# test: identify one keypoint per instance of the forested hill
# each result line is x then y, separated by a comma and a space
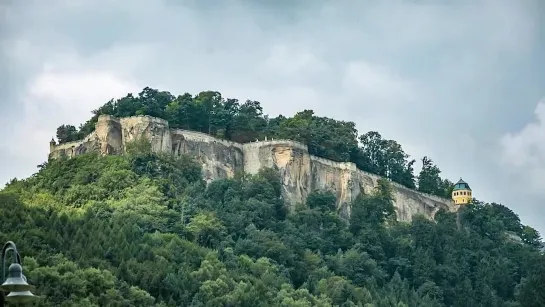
142, 229
243, 122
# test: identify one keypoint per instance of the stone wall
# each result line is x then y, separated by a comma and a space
300, 172
219, 158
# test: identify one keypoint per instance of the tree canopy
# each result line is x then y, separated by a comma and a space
143, 229
227, 118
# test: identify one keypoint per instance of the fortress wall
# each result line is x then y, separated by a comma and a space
204, 138
75, 148
218, 158
300, 172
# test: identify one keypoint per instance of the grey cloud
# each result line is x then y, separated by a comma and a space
445, 80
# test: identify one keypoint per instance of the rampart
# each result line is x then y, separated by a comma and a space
300, 172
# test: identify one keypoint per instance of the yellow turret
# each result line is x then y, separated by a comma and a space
461, 194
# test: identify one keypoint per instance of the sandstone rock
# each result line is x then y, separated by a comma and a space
300, 172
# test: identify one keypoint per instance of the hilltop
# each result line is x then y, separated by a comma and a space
244, 122
300, 172
143, 228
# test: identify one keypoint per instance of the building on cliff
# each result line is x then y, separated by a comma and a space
461, 194
300, 172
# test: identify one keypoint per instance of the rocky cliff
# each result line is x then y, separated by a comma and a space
300, 172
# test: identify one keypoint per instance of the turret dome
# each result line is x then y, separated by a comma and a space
461, 185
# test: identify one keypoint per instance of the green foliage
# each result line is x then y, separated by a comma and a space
68, 133
138, 147
227, 118
374, 209
430, 182
143, 229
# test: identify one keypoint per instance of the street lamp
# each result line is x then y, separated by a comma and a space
16, 283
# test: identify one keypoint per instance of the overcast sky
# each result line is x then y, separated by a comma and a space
460, 82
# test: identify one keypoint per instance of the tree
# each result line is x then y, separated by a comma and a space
322, 200
373, 153
248, 124
531, 237
398, 168
153, 102
372, 209
210, 104
206, 229
429, 180
67, 133
385, 158
143, 229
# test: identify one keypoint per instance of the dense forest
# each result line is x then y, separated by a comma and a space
143, 229
230, 119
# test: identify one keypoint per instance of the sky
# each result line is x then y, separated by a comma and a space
462, 82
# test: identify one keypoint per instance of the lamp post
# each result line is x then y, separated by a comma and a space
16, 283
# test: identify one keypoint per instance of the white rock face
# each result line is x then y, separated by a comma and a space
300, 172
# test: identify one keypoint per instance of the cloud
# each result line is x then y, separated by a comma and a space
445, 80
62, 97
284, 60
378, 83
77, 91
65, 91
524, 153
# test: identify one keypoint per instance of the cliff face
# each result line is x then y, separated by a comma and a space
300, 172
